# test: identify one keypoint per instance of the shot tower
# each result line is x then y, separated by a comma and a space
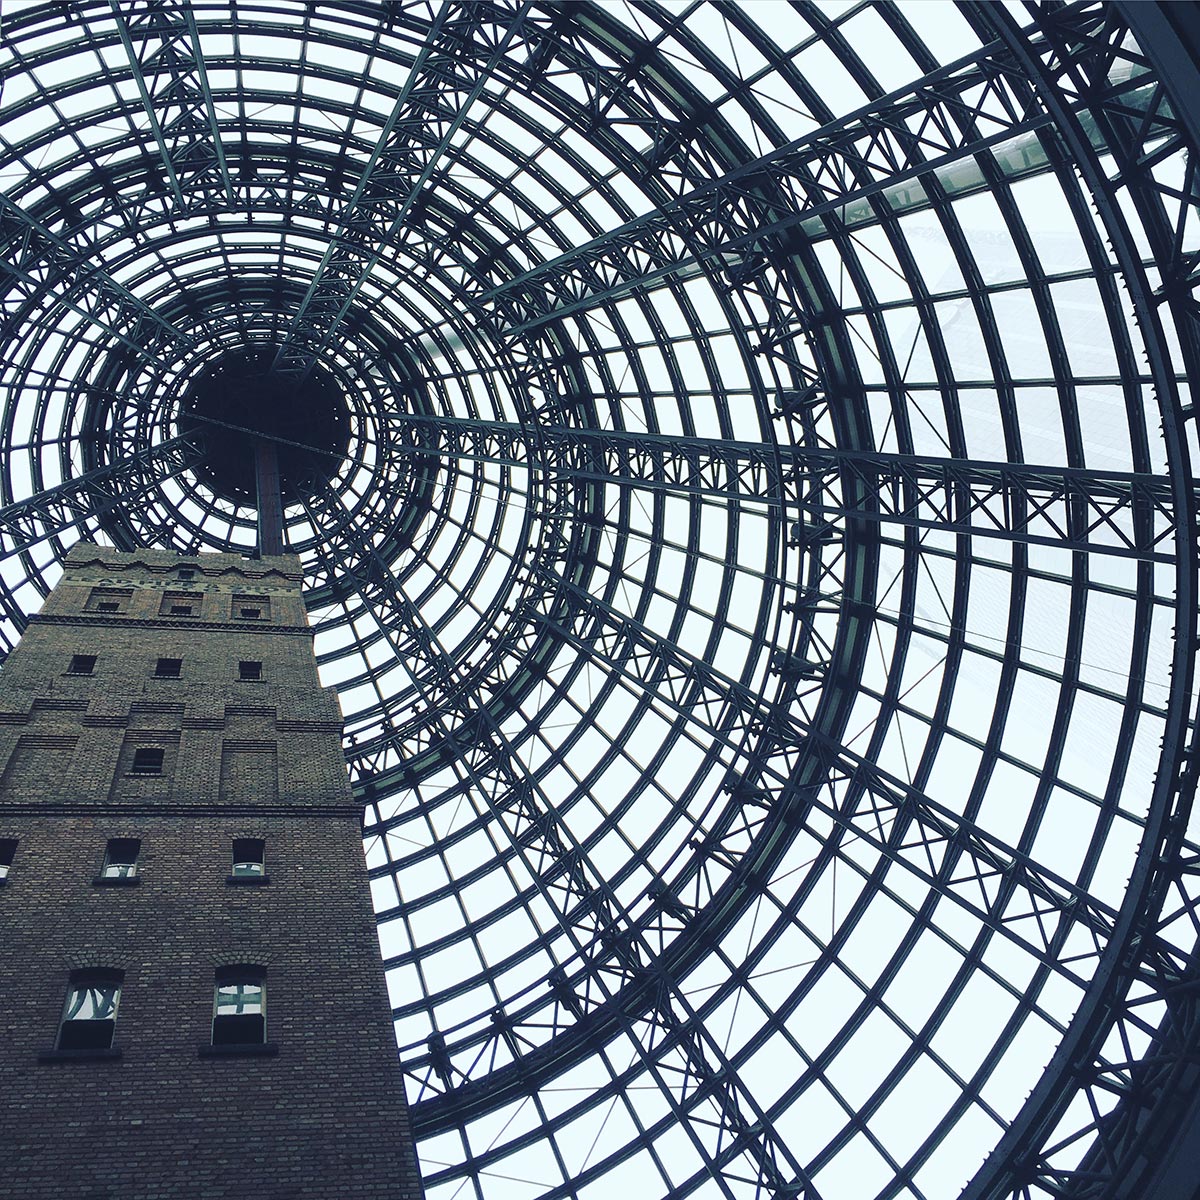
194, 1004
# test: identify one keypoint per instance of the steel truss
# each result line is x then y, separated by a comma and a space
620, 963
163, 46
1147, 994
1090, 511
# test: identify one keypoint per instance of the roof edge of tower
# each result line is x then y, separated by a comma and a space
214, 564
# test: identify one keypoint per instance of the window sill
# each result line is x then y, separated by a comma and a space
50, 1056
116, 881
248, 880
78, 674
143, 774
239, 1050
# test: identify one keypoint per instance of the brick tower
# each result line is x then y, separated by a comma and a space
193, 1004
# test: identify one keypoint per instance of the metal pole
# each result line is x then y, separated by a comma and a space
270, 498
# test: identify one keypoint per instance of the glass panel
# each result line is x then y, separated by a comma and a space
93, 1002
239, 999
238, 1013
120, 858
148, 761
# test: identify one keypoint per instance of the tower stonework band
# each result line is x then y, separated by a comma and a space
194, 1001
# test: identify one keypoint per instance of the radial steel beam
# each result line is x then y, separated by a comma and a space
163, 46
910, 827
116, 485
433, 105
1126, 514
39, 260
964, 109
1003, 889
1081, 63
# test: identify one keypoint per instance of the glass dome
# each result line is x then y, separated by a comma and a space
741, 457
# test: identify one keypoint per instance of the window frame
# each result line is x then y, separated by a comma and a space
131, 849
242, 603
256, 664
250, 846
220, 1044
144, 772
74, 668
159, 673
8, 854
108, 600
83, 1032
175, 601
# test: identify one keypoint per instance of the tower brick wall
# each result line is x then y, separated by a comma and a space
316, 1107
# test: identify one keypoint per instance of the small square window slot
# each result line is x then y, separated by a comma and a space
108, 600
247, 607
248, 670
180, 604
82, 664
147, 760
168, 668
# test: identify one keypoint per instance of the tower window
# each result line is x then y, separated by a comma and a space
89, 1018
186, 573
147, 760
239, 1007
8, 851
180, 604
120, 860
82, 664
108, 600
249, 861
251, 608
249, 670
168, 668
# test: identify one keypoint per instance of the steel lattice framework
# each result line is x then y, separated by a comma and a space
762, 575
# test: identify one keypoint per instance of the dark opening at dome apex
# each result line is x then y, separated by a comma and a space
238, 398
